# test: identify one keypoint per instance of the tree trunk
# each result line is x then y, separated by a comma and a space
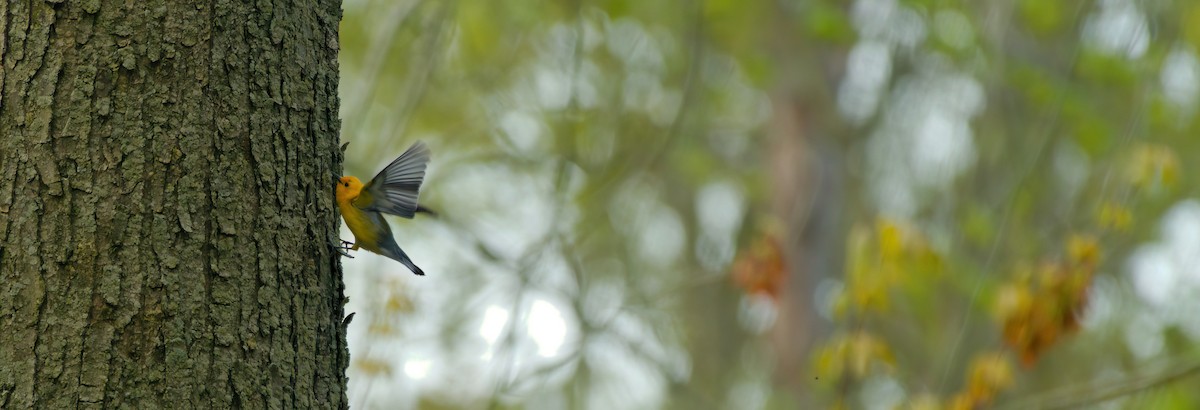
805, 157
166, 203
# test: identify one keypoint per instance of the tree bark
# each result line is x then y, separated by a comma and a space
166, 203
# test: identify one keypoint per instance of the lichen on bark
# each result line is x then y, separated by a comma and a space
166, 205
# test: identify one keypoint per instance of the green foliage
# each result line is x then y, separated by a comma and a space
1044, 18
827, 22
585, 148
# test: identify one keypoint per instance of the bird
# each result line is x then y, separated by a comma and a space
393, 191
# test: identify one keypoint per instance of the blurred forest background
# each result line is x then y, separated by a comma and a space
780, 204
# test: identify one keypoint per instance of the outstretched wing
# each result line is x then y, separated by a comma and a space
394, 190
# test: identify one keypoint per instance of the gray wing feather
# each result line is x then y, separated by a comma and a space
394, 190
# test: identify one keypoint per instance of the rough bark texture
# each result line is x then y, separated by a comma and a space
166, 203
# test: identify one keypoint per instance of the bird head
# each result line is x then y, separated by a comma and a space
348, 188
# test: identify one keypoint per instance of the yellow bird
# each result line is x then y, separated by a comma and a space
393, 191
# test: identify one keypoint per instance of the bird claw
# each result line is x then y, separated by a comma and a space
343, 248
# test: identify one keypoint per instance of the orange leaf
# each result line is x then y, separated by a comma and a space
761, 269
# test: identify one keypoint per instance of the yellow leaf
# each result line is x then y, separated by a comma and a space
891, 239
1115, 216
857, 354
1153, 166
865, 350
924, 401
989, 374
373, 367
830, 362
398, 303
1083, 250
381, 329
841, 305
1012, 300
1050, 275
869, 294
962, 402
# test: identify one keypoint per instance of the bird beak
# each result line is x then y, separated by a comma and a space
336, 180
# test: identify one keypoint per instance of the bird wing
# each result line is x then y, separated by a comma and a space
386, 244
394, 190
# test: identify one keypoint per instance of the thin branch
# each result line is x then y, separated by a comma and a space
1084, 395
382, 42
419, 80
696, 51
1040, 159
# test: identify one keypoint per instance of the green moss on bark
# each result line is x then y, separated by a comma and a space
165, 205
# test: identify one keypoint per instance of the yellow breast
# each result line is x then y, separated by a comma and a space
358, 222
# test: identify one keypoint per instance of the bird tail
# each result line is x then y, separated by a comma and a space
424, 210
393, 251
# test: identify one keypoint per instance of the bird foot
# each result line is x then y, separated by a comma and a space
341, 249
